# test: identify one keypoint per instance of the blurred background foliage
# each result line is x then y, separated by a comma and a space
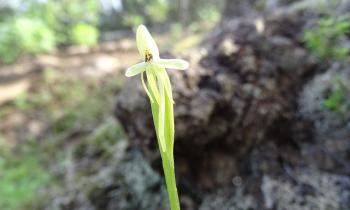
21, 176
327, 38
40, 26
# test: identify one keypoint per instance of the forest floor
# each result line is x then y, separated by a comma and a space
48, 104
51, 104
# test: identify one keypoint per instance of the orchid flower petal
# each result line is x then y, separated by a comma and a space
172, 63
145, 43
136, 69
145, 87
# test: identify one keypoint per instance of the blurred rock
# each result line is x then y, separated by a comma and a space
306, 189
238, 8
240, 91
325, 101
302, 190
101, 174
229, 199
137, 186
249, 112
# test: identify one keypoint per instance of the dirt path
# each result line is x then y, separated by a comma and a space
107, 58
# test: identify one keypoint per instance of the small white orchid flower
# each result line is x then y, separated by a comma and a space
158, 89
152, 64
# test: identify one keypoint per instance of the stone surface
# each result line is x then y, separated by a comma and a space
306, 190
248, 112
301, 190
331, 122
100, 174
240, 91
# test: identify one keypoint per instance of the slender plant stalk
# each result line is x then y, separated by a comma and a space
170, 180
167, 156
158, 89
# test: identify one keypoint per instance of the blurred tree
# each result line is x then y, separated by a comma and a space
184, 13
84, 34
148, 11
240, 7
62, 16
33, 26
45, 24
5, 12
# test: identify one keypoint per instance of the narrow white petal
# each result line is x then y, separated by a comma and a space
145, 42
172, 63
135, 69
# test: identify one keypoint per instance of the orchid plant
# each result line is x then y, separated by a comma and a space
159, 91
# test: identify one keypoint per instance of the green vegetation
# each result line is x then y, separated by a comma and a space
37, 37
181, 37
136, 12
86, 104
325, 39
34, 26
22, 176
66, 107
84, 35
336, 99
24, 35
44, 25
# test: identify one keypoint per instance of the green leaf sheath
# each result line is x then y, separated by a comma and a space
167, 84
161, 115
163, 118
152, 83
169, 118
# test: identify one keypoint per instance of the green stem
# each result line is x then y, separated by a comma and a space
170, 180
163, 119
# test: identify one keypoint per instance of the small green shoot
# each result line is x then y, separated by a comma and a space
158, 89
335, 101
